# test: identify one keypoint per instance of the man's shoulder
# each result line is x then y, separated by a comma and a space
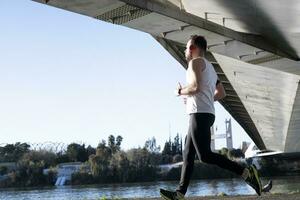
197, 62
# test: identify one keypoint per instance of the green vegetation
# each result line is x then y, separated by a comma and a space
107, 163
172, 151
110, 164
13, 152
30, 165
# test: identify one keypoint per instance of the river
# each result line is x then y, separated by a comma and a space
149, 189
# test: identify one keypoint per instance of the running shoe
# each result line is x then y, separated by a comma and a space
170, 195
253, 179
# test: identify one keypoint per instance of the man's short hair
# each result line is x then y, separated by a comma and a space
199, 41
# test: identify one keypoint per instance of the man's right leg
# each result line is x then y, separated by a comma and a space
189, 153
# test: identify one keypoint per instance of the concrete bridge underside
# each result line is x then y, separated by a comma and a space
254, 46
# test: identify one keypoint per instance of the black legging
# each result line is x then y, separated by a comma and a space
198, 141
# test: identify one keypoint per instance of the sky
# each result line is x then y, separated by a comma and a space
66, 77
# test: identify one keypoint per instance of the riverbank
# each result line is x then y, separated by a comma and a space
236, 189
244, 197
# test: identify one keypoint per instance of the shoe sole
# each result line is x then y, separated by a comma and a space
165, 197
257, 178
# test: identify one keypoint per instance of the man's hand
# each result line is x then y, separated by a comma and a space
178, 89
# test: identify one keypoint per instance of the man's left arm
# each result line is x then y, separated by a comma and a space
220, 91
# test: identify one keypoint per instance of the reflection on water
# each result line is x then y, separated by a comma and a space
150, 189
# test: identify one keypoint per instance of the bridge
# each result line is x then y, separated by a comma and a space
227, 136
253, 45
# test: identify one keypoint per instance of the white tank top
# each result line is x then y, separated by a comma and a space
203, 101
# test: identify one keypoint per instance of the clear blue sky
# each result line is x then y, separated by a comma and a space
67, 78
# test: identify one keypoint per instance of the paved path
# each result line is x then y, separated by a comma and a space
264, 197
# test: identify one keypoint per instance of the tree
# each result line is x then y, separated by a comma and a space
99, 166
102, 144
118, 142
90, 150
31, 166
62, 158
77, 152
176, 145
111, 143
124, 166
142, 166
100, 162
103, 150
13, 152
46, 157
173, 148
31, 172
151, 146
167, 148
114, 143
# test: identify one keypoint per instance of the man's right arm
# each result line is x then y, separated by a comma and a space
220, 91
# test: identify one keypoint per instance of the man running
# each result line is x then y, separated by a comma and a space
203, 88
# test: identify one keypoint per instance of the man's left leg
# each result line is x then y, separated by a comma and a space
201, 137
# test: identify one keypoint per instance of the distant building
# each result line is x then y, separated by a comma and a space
65, 171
